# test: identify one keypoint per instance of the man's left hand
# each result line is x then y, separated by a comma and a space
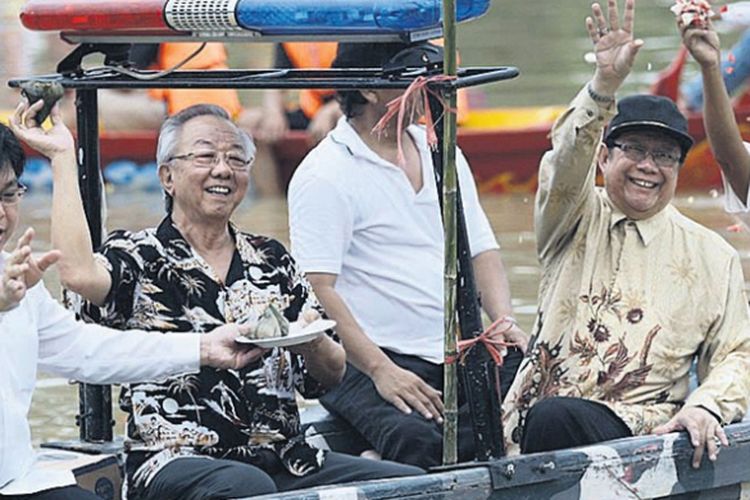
704, 430
307, 348
512, 334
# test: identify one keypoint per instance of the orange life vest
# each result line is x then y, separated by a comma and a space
213, 56
306, 55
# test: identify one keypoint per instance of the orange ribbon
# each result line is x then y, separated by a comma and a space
494, 346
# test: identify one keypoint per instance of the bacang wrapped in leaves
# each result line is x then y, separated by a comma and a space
271, 324
49, 92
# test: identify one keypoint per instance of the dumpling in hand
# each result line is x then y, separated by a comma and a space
272, 324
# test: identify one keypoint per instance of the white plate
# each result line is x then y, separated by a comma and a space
298, 334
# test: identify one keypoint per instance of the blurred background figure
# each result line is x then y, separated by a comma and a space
735, 69
315, 110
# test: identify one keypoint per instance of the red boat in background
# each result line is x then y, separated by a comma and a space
503, 145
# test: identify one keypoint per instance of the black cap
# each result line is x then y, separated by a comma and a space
393, 56
643, 111
366, 55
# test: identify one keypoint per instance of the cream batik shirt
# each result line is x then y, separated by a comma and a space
625, 306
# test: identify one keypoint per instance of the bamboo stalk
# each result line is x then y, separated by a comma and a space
450, 389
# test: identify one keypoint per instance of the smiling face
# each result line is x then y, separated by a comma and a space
8, 214
206, 194
640, 189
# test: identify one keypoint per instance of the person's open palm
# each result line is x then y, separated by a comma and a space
35, 267
614, 45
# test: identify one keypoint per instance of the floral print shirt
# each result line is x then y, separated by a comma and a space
160, 283
626, 306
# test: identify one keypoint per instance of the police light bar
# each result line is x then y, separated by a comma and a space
191, 20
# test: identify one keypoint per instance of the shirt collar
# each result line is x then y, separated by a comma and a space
345, 135
168, 231
171, 238
647, 229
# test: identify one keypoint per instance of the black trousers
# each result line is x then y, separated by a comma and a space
194, 478
66, 493
409, 439
560, 422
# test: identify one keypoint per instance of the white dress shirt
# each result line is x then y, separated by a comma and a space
41, 334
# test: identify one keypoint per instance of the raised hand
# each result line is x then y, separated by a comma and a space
406, 391
702, 43
57, 140
614, 46
704, 430
12, 283
22, 271
37, 266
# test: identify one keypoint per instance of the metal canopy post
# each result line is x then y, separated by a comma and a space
95, 401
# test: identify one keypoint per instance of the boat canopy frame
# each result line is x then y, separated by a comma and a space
477, 369
633, 468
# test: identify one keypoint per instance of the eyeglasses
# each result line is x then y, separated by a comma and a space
209, 159
662, 159
11, 197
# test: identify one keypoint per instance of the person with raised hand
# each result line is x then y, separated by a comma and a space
366, 227
631, 291
37, 333
723, 134
219, 433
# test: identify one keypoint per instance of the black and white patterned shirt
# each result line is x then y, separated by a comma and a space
160, 283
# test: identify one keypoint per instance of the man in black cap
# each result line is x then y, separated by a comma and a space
631, 290
366, 229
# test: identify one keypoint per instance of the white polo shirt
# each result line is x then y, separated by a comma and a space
356, 215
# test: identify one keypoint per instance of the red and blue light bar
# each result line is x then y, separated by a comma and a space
91, 20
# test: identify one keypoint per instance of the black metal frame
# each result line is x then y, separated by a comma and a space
95, 417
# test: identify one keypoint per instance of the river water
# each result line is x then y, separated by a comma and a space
544, 38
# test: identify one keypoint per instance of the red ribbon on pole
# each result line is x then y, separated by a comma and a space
494, 346
409, 102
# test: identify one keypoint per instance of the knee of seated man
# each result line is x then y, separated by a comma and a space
243, 480
545, 413
414, 440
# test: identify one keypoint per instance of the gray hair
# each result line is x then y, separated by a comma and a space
169, 135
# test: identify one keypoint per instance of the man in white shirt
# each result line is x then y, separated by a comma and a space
38, 333
366, 229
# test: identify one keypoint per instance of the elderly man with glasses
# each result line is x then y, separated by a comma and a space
632, 291
37, 333
222, 433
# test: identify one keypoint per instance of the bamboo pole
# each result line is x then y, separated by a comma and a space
450, 387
